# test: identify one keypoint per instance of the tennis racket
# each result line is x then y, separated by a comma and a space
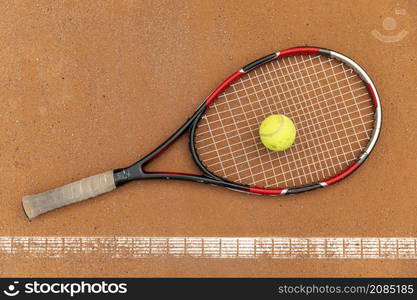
330, 98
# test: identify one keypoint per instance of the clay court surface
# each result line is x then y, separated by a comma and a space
92, 86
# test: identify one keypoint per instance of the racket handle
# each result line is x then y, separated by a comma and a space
86, 188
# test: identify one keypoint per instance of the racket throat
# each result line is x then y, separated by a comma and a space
122, 176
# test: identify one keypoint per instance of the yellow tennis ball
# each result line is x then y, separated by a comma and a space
277, 132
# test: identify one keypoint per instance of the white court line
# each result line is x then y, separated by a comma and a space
211, 247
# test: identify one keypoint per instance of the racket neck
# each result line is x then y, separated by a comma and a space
122, 176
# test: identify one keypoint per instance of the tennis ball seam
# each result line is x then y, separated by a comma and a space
281, 125
283, 135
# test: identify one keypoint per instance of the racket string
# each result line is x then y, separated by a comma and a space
294, 105
272, 96
271, 110
303, 154
301, 135
310, 118
298, 159
299, 116
230, 148
304, 142
357, 107
324, 97
320, 154
313, 163
333, 121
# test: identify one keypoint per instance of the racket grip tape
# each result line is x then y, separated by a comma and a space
86, 188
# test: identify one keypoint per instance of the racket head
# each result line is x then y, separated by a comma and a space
332, 101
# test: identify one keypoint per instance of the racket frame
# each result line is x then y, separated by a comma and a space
137, 170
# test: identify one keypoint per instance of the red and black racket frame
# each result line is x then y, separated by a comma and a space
137, 170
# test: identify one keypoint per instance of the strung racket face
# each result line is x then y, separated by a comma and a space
331, 100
